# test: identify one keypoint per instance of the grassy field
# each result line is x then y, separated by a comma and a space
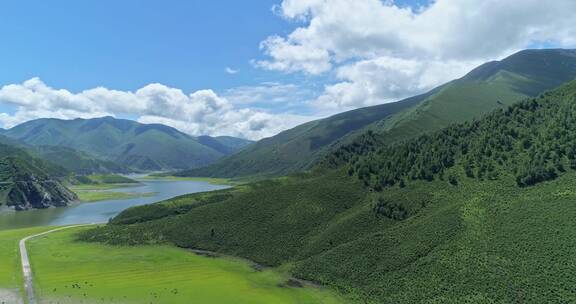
95, 196
109, 179
91, 188
67, 271
98, 187
10, 271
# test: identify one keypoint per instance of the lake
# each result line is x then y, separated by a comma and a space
101, 211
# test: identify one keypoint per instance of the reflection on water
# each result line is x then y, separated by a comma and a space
99, 212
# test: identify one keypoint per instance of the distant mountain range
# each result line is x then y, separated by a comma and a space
117, 145
492, 85
38, 157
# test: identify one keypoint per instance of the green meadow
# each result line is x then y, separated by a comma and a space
92, 188
98, 187
97, 195
10, 271
68, 271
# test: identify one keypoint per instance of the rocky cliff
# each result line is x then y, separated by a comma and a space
27, 182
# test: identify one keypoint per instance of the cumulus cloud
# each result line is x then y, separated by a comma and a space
272, 96
271, 92
231, 71
381, 52
199, 113
386, 79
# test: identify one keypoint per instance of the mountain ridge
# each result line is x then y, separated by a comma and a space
149, 147
492, 85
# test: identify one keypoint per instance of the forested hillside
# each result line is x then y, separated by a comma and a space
449, 217
534, 140
490, 86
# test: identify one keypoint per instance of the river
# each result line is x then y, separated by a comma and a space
101, 211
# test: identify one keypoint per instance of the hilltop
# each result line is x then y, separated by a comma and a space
493, 85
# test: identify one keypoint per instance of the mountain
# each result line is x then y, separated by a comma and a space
72, 160
28, 182
478, 212
492, 85
75, 161
224, 144
124, 142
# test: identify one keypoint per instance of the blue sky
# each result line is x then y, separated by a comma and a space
304, 60
130, 43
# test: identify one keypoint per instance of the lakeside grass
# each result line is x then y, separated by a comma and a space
97, 192
95, 187
210, 180
96, 196
67, 271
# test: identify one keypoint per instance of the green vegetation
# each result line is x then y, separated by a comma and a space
10, 268
105, 179
95, 196
478, 212
224, 144
66, 271
76, 161
129, 144
298, 148
92, 188
491, 86
98, 187
533, 140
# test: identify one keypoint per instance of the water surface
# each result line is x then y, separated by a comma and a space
100, 212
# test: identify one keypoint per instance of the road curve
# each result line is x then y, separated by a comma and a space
26, 269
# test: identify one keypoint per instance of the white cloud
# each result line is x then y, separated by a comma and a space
231, 71
293, 57
381, 52
200, 113
269, 94
386, 79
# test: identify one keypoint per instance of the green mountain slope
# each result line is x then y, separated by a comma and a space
478, 212
76, 161
72, 160
28, 182
224, 144
298, 148
493, 85
125, 142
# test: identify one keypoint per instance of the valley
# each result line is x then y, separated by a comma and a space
145, 191
444, 216
453, 222
288, 152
